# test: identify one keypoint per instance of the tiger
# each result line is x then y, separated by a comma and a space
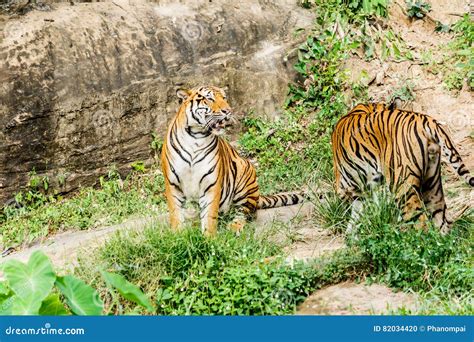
200, 165
379, 144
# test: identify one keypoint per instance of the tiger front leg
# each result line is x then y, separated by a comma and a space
175, 200
209, 206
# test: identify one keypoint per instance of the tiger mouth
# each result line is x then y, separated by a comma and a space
219, 126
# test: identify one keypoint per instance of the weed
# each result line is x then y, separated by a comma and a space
156, 144
369, 7
442, 28
453, 80
114, 200
186, 273
138, 166
405, 93
417, 9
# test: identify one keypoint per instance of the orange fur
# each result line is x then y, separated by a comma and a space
200, 165
374, 143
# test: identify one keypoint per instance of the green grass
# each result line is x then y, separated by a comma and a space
439, 268
456, 62
111, 202
186, 273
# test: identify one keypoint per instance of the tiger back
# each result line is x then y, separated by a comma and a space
199, 165
376, 144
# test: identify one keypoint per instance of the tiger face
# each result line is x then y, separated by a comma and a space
206, 109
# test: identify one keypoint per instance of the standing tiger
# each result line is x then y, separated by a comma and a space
375, 143
200, 165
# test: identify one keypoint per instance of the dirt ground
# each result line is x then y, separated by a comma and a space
349, 298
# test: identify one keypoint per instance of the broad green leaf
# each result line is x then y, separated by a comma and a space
52, 306
128, 290
163, 294
6, 304
32, 281
80, 297
20, 306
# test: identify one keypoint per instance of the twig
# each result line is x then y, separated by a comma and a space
456, 14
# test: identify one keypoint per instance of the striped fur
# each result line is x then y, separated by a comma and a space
374, 143
200, 165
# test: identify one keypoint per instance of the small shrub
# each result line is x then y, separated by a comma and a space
369, 7
405, 93
409, 258
417, 9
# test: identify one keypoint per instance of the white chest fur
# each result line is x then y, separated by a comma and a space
194, 167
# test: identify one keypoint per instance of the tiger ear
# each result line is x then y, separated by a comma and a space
183, 94
223, 90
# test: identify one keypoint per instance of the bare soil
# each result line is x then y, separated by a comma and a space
349, 298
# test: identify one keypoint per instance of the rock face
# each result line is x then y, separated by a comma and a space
84, 85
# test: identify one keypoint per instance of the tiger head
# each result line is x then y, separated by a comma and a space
206, 109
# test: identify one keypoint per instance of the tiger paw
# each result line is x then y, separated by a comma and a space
236, 226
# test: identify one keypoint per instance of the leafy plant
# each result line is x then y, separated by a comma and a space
156, 144
30, 289
36, 193
80, 297
417, 9
405, 93
369, 7
138, 166
127, 290
442, 28
459, 60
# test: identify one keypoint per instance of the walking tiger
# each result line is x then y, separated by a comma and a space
375, 143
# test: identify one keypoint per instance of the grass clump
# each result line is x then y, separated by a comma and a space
112, 201
187, 274
439, 268
408, 258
